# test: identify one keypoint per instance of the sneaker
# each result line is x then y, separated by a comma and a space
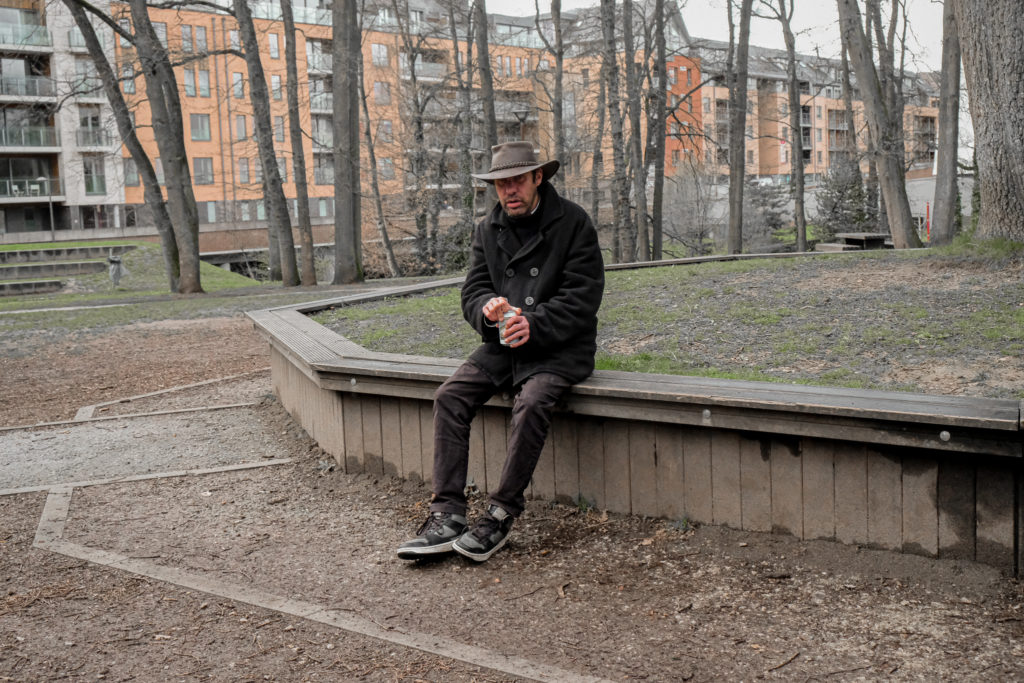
434, 537
487, 536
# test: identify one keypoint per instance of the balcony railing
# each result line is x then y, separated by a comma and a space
93, 137
22, 35
323, 101
303, 15
323, 176
321, 63
28, 136
427, 70
95, 184
26, 86
88, 86
76, 39
30, 187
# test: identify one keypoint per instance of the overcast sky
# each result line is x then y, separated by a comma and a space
814, 20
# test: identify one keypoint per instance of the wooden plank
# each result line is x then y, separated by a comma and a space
885, 501
616, 466
495, 447
851, 491
995, 514
755, 485
542, 484
353, 433
671, 502
697, 481
427, 440
412, 439
373, 450
391, 436
566, 458
957, 510
920, 512
476, 473
643, 469
725, 479
590, 434
787, 487
819, 489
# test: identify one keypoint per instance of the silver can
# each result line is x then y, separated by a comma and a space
510, 313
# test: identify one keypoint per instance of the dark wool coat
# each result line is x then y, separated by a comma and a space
557, 278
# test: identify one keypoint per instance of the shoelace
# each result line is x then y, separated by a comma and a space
435, 523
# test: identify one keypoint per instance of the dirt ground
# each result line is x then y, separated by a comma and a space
609, 596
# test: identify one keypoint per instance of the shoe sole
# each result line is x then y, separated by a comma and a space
479, 557
425, 551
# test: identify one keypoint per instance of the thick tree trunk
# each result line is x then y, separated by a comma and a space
642, 245
991, 36
785, 17
307, 262
884, 132
464, 133
483, 63
348, 262
378, 203
277, 204
659, 121
623, 236
597, 164
738, 129
949, 132
557, 50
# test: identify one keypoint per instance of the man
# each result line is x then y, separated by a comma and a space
536, 254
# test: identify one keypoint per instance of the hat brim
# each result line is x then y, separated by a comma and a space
549, 169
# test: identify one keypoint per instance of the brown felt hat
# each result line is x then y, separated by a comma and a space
514, 158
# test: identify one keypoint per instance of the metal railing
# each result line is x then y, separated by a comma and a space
27, 86
427, 70
30, 187
93, 137
76, 39
22, 35
29, 136
323, 101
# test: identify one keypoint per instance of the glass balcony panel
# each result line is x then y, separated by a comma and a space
26, 86
93, 137
76, 39
321, 100
30, 187
22, 34
28, 136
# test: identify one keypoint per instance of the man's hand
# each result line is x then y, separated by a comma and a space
495, 309
517, 329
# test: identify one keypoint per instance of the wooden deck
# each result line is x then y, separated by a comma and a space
935, 475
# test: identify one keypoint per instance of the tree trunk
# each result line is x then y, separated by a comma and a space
880, 118
277, 204
122, 116
642, 245
623, 237
991, 35
558, 100
168, 128
348, 265
659, 124
738, 129
463, 230
597, 164
944, 215
785, 17
378, 204
483, 63
308, 267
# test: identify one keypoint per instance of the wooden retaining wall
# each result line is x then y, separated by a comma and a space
938, 476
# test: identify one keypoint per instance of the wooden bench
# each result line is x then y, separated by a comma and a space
935, 475
865, 240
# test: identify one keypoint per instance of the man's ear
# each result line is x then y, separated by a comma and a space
538, 176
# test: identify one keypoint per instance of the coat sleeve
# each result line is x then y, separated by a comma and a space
478, 287
572, 311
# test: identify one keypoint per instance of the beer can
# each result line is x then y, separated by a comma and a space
510, 313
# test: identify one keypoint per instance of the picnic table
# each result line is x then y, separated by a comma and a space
864, 240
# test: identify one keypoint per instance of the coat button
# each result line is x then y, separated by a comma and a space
534, 272
509, 272
529, 301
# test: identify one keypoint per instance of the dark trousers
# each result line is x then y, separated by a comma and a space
456, 403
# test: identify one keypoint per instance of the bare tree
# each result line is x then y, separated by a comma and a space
738, 123
463, 230
949, 131
991, 34
348, 265
307, 267
623, 237
557, 50
483, 64
880, 111
657, 128
641, 245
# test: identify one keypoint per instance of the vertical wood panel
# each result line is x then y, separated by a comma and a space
920, 512
590, 434
616, 466
391, 436
353, 433
885, 501
566, 458
956, 503
669, 476
427, 440
697, 483
373, 452
851, 475
819, 507
475, 473
495, 447
755, 485
787, 487
995, 515
725, 479
542, 485
643, 466
412, 440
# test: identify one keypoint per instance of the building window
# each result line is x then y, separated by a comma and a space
817, 112
236, 44
201, 39
275, 86
190, 83
387, 169
381, 92
384, 131
282, 169
817, 134
819, 157
211, 212
241, 129
279, 128
202, 170
126, 26
131, 172
94, 173
238, 85
186, 38
160, 28
204, 83
244, 211
243, 171
257, 170
261, 210
200, 124
158, 169
519, 67
675, 156
750, 156
508, 66
275, 51
127, 78
379, 54
321, 208
526, 66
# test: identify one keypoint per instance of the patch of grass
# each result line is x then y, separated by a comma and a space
756, 314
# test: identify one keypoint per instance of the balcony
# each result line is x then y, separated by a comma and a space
302, 15
20, 35
30, 188
93, 137
95, 184
319, 63
321, 101
77, 41
427, 71
26, 86
323, 176
29, 136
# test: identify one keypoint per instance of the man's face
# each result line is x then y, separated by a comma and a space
518, 195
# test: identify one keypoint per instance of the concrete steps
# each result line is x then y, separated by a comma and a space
47, 254
14, 288
50, 269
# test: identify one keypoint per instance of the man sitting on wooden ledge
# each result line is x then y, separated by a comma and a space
534, 285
